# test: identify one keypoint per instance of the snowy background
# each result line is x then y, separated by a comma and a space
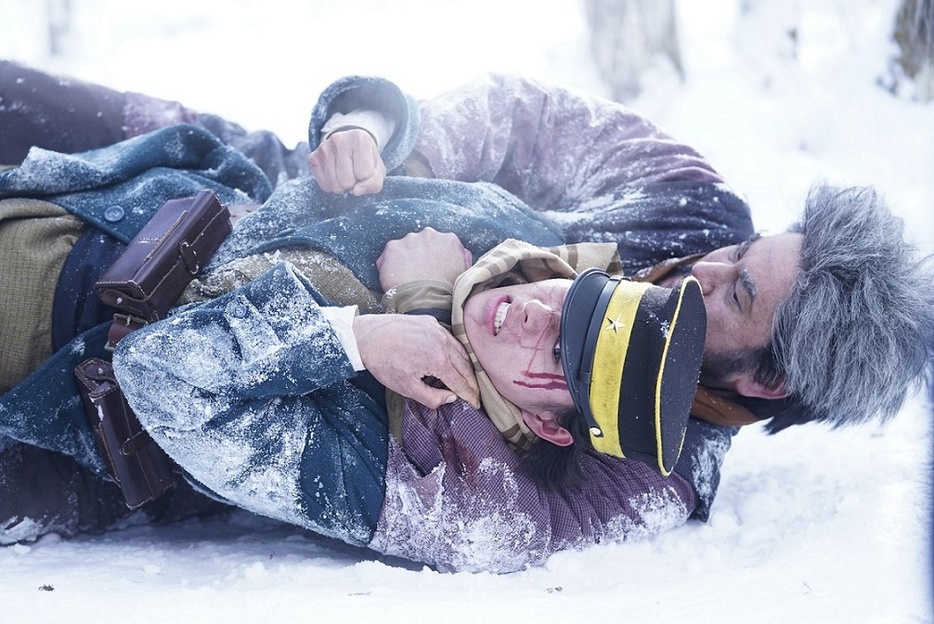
810, 525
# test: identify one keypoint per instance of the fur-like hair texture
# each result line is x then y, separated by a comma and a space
856, 332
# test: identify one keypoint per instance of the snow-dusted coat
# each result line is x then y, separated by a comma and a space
115, 191
601, 171
264, 413
271, 419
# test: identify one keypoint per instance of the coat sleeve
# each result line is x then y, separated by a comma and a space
599, 170
266, 340
354, 93
248, 394
552, 147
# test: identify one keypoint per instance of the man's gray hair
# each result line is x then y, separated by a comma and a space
855, 334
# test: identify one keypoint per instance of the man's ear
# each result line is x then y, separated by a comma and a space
748, 387
546, 427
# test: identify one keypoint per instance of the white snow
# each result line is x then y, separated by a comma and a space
809, 525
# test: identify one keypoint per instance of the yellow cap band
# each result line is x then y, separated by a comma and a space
609, 358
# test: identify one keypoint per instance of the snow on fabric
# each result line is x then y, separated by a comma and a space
813, 525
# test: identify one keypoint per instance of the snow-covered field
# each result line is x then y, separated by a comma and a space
810, 525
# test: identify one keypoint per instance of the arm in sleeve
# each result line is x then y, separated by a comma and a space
247, 393
265, 340
603, 171
550, 146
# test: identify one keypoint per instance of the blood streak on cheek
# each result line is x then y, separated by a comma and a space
542, 381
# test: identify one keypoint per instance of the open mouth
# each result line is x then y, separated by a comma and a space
500, 317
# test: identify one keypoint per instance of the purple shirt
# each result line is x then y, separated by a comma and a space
457, 498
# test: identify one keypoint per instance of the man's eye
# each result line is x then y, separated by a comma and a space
557, 352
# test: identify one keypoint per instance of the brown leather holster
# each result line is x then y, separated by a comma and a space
142, 470
144, 283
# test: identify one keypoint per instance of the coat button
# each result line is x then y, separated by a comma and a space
239, 311
114, 214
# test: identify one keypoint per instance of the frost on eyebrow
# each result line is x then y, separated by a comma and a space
749, 284
746, 244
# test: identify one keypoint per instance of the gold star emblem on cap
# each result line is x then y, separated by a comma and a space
614, 324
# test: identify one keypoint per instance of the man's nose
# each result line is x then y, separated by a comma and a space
710, 274
538, 315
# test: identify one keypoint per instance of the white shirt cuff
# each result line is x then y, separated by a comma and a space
375, 122
341, 320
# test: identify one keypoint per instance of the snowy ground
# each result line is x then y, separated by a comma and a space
812, 525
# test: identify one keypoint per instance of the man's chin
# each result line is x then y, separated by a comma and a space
715, 384
714, 375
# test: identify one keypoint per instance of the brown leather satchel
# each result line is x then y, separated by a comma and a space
150, 275
144, 283
142, 470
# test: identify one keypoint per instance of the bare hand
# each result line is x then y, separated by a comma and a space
426, 255
402, 351
348, 160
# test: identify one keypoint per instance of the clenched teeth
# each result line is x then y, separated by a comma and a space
500, 317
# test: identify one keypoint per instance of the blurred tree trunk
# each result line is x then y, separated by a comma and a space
914, 34
629, 36
59, 19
